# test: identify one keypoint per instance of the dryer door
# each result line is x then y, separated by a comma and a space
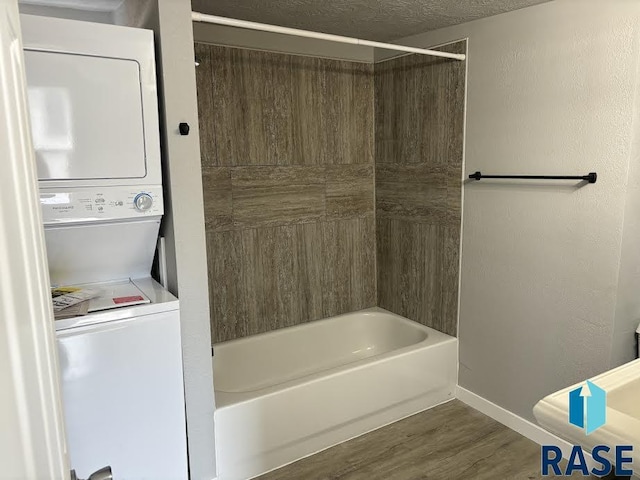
86, 116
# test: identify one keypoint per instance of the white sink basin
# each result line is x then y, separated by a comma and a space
622, 425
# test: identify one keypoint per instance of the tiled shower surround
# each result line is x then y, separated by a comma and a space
419, 137
319, 173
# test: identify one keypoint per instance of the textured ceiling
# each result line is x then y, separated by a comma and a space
381, 20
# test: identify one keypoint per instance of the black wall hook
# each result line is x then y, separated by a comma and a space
184, 128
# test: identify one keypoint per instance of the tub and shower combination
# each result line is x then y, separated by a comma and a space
286, 394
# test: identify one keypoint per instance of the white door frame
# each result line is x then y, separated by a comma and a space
32, 442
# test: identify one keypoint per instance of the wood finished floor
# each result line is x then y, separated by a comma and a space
451, 441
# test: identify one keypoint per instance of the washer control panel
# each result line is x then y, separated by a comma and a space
98, 204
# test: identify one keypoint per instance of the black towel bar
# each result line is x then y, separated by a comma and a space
591, 177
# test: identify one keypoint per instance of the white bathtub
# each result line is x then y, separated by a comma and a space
286, 394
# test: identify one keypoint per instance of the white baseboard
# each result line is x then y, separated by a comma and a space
514, 422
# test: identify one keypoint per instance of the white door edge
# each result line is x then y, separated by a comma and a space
32, 442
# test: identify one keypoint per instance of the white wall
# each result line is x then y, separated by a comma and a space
183, 223
551, 90
627, 316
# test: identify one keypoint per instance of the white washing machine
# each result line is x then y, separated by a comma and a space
122, 386
94, 115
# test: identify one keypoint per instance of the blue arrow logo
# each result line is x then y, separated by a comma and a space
588, 407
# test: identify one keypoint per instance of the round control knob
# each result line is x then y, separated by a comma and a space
143, 202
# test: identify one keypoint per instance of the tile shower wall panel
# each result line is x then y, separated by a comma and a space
418, 271
419, 114
260, 108
266, 196
419, 135
288, 176
262, 279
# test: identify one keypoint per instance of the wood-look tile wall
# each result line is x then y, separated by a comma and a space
288, 176
419, 122
288, 172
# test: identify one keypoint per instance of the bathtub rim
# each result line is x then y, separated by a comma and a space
369, 310
433, 339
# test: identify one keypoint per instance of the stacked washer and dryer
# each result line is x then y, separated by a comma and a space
94, 111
